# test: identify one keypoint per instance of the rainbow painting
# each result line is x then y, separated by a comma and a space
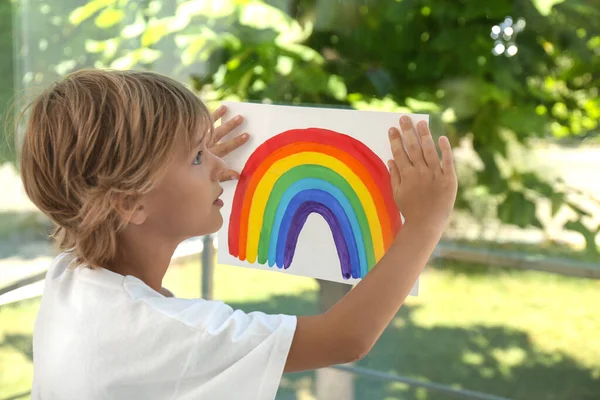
299, 172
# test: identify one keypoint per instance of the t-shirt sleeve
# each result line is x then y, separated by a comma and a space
239, 355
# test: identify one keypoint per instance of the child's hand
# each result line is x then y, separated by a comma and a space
424, 188
224, 148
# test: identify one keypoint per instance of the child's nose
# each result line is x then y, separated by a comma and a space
219, 167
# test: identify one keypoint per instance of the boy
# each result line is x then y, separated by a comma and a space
127, 166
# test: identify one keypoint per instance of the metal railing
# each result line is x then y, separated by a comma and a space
429, 386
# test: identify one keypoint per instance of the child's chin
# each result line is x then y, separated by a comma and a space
213, 227
218, 224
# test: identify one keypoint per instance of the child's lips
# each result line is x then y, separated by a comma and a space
218, 201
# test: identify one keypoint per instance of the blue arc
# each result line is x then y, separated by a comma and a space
306, 189
296, 213
298, 220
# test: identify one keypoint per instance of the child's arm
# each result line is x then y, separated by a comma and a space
425, 192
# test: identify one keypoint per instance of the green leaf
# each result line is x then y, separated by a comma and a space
148, 56
524, 121
304, 52
135, 29
156, 30
535, 222
518, 210
185, 40
211, 9
234, 63
578, 209
230, 41
284, 65
95, 46
260, 16
84, 12
361, 102
492, 92
199, 45
178, 22
535, 182
337, 87
463, 95
485, 131
259, 85
491, 177
109, 17
65, 67
422, 106
558, 130
557, 200
508, 80
189, 55
577, 226
588, 234
125, 62
473, 10
111, 47
545, 6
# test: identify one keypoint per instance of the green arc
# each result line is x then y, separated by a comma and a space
317, 172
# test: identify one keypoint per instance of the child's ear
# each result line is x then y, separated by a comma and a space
139, 215
129, 208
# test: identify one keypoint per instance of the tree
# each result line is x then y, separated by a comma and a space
412, 55
441, 63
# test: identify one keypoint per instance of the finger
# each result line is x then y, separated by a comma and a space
229, 175
447, 157
400, 156
394, 174
222, 149
219, 112
413, 147
429, 152
227, 127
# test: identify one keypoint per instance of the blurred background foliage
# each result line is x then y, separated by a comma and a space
422, 56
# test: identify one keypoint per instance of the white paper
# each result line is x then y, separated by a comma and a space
316, 255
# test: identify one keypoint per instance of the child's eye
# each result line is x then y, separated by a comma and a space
197, 159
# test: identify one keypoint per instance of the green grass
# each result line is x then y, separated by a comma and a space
16, 327
519, 334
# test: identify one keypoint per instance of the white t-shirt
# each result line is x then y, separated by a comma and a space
101, 335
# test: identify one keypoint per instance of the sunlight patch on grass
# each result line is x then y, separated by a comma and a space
536, 302
510, 357
472, 358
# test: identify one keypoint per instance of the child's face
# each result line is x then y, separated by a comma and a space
185, 203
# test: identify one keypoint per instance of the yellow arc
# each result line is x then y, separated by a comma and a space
280, 167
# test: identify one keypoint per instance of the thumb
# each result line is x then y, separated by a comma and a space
229, 175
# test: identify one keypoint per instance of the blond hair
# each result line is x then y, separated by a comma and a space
96, 135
